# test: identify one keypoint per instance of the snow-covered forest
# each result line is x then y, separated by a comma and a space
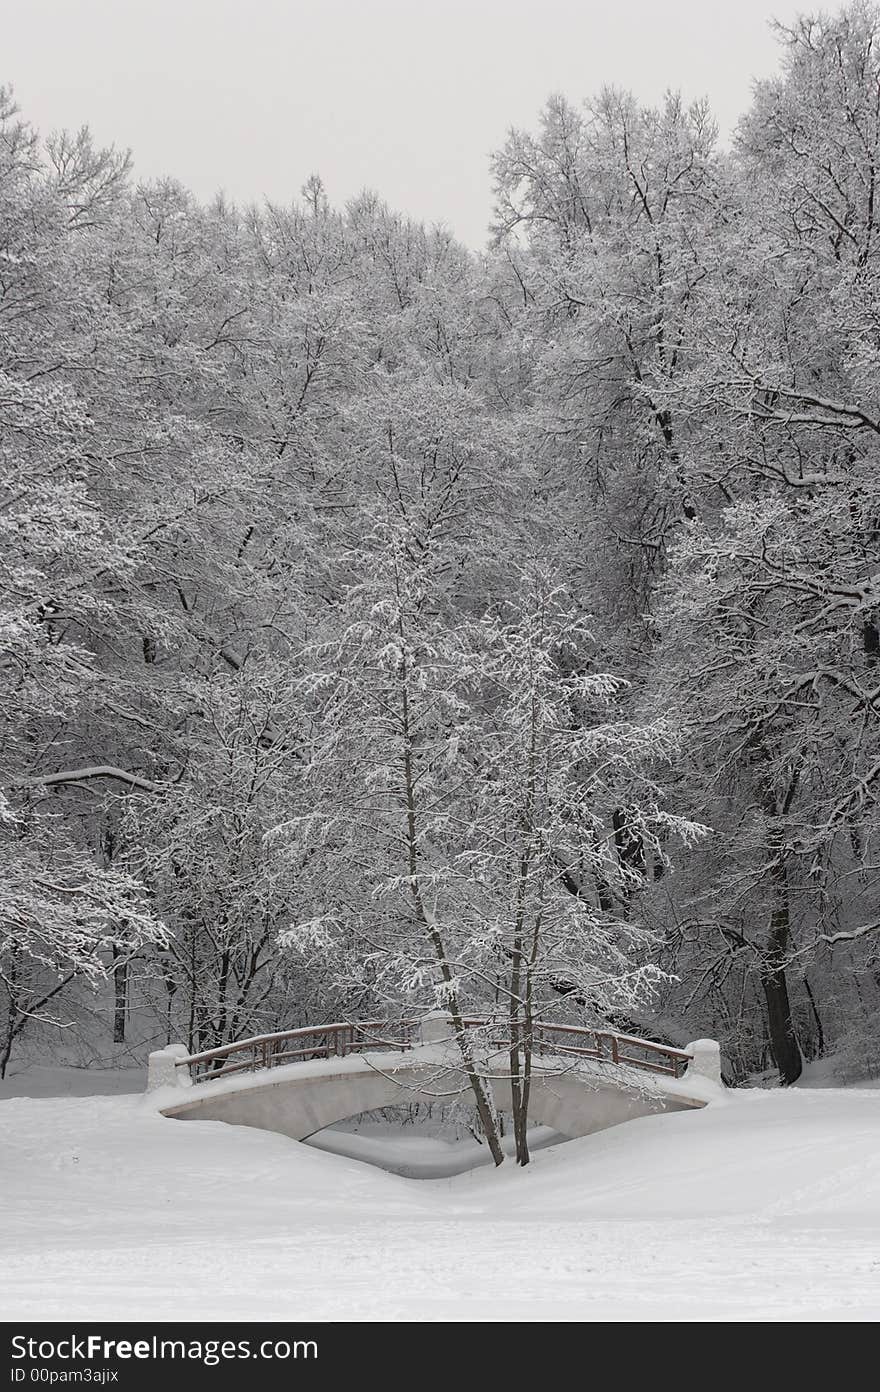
388, 625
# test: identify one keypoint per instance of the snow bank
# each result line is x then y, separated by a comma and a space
60, 1080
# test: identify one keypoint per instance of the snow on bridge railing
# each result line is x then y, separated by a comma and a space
605, 1045
342, 1038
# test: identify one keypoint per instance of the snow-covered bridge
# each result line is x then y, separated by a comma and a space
299, 1081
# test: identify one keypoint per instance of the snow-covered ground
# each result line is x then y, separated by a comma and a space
766, 1207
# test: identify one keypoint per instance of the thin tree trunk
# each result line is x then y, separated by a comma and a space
120, 992
529, 1031
820, 1033
514, 1021
120, 964
521, 1001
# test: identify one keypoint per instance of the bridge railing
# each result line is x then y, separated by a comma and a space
343, 1038
301, 1045
577, 1041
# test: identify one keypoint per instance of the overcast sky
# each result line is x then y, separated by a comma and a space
405, 96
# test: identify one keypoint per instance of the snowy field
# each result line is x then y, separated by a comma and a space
766, 1207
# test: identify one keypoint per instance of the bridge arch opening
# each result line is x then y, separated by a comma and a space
422, 1138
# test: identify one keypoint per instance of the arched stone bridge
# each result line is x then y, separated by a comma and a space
299, 1081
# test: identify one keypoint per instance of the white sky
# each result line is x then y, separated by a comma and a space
408, 97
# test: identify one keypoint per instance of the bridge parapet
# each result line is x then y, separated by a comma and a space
164, 1068
173, 1066
705, 1060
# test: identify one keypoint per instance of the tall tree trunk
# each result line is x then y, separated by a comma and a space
480, 1085
783, 1038
9, 1036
